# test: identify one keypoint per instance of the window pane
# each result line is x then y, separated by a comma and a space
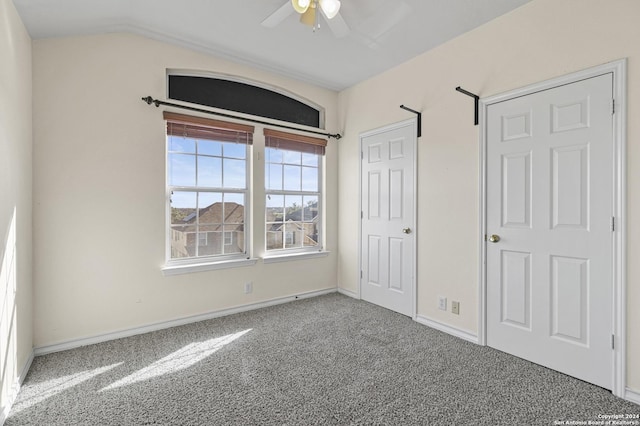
212, 241
274, 237
235, 172
182, 170
292, 157
309, 159
273, 155
310, 225
183, 214
233, 209
209, 206
275, 208
209, 172
235, 150
234, 198
274, 176
183, 207
293, 208
182, 242
206, 147
292, 178
310, 179
233, 239
310, 234
310, 208
293, 235
180, 144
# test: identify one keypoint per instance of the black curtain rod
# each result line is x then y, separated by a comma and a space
149, 100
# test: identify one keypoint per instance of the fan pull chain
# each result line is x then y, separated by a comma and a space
316, 25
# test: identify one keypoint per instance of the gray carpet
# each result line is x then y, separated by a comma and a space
325, 360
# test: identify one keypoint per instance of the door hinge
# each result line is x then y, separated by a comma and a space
361, 274
613, 341
362, 155
613, 224
613, 106
361, 214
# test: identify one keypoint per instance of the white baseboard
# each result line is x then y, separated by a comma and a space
349, 293
76, 343
632, 396
15, 389
465, 335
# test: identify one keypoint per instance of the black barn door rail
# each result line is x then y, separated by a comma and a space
476, 99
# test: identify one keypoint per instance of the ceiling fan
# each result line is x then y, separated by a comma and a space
308, 10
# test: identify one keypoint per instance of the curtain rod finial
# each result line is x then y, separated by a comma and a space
149, 100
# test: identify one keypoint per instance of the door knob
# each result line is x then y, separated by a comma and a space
494, 238
406, 230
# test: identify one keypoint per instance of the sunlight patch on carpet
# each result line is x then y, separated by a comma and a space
178, 360
36, 394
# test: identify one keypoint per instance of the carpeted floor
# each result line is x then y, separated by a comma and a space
325, 360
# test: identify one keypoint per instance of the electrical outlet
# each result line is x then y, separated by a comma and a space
442, 303
455, 307
248, 287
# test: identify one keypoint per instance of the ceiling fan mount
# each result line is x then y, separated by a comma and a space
329, 8
308, 10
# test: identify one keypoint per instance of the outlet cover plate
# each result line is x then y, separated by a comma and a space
442, 303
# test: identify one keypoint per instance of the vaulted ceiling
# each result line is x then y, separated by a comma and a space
380, 35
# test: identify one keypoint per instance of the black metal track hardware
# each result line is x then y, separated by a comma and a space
476, 99
419, 114
149, 100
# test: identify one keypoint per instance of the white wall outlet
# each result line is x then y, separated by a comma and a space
248, 287
442, 303
455, 307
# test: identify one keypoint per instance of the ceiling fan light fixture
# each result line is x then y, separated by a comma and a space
330, 7
301, 6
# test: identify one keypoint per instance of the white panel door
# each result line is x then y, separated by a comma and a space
387, 235
549, 226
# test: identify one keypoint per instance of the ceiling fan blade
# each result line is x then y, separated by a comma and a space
278, 16
338, 26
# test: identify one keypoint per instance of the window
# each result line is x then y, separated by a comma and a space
242, 95
290, 239
207, 183
293, 191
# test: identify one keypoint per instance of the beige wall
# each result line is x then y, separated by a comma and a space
99, 168
544, 39
15, 202
99, 158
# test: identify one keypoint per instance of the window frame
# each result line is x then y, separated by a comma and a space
195, 263
319, 194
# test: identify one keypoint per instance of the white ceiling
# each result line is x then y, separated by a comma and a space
383, 33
